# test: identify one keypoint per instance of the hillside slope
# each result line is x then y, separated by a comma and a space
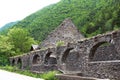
4, 29
90, 16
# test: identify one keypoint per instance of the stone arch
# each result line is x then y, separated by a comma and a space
69, 60
13, 62
50, 59
65, 54
102, 51
19, 63
36, 59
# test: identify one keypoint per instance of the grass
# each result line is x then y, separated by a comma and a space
60, 43
46, 76
49, 75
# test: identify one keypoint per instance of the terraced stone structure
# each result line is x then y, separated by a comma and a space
97, 57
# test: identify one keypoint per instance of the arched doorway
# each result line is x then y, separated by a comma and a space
13, 62
19, 63
69, 60
65, 54
50, 59
36, 59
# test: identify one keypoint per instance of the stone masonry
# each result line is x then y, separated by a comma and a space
66, 32
97, 57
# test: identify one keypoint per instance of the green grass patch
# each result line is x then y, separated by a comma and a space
49, 75
46, 76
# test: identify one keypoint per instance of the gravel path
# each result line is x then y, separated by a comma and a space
5, 75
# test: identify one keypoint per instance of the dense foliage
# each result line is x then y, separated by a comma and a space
16, 42
90, 16
20, 39
4, 29
5, 50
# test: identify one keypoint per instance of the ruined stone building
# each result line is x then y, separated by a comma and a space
66, 32
97, 57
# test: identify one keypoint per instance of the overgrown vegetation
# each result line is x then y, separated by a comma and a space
47, 76
16, 42
21, 39
90, 16
60, 43
6, 27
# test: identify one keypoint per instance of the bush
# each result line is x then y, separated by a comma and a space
49, 76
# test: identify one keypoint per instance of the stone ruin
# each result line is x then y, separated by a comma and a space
66, 32
97, 57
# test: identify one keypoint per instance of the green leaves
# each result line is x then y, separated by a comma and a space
20, 39
5, 45
16, 42
92, 17
5, 49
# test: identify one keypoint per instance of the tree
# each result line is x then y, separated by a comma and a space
21, 39
5, 50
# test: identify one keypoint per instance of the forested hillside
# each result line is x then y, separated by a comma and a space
4, 29
90, 16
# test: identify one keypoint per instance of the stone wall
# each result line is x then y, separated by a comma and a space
75, 77
72, 58
66, 32
94, 57
79, 56
104, 69
106, 53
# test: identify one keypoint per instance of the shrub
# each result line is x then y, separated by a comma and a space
49, 75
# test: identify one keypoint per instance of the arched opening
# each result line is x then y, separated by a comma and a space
70, 60
103, 51
19, 63
65, 54
36, 59
47, 58
50, 59
13, 62
72, 57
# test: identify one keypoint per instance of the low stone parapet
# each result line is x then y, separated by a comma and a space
72, 77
